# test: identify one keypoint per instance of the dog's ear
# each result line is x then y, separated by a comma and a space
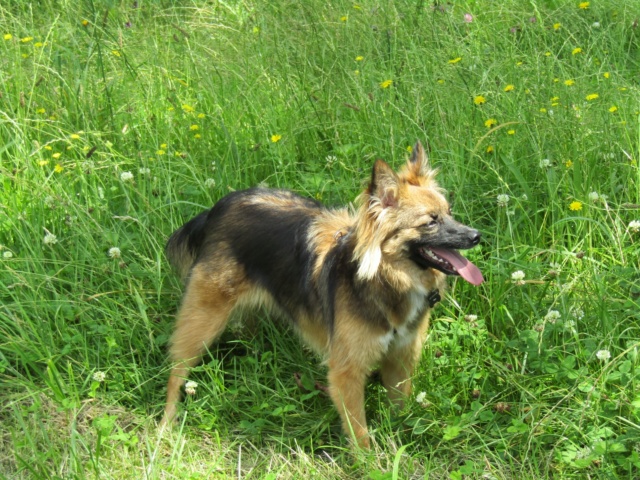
419, 161
384, 184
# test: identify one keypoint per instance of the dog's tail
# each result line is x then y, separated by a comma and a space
184, 245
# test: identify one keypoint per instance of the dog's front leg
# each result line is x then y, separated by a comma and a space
346, 388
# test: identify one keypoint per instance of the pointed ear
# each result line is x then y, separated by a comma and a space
419, 162
384, 184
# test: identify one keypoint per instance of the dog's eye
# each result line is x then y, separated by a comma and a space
434, 221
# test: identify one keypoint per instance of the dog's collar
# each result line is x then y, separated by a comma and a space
433, 297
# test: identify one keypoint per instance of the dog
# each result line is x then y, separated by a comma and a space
356, 284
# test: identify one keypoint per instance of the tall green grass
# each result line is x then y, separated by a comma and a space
121, 120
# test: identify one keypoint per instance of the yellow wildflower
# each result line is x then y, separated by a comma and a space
197, 135
38, 44
116, 53
7, 36
85, 23
613, 109
455, 60
42, 163
491, 122
509, 88
26, 39
40, 110
386, 84
276, 138
74, 136
56, 155
193, 128
256, 29
440, 81
187, 108
344, 18
569, 82
409, 148
359, 58
576, 51
547, 54
58, 168
592, 96
160, 152
163, 146
511, 132
556, 26
489, 149
568, 164
543, 110
583, 5
48, 147
201, 115
606, 74
479, 100
575, 206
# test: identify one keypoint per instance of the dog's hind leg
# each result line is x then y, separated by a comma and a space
202, 318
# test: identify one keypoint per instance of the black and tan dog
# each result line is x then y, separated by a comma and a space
357, 286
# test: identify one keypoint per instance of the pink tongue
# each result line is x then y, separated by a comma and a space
464, 267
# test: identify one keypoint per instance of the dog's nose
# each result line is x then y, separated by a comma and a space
475, 237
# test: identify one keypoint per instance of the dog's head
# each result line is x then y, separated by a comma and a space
405, 220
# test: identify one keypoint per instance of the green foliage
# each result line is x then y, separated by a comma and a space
121, 120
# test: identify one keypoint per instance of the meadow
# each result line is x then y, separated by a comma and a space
120, 120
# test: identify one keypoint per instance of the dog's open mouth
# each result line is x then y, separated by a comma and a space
452, 263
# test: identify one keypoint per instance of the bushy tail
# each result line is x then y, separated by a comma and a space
185, 243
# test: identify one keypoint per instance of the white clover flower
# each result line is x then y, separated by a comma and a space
330, 160
99, 376
471, 318
524, 197
126, 177
7, 254
603, 355
595, 24
502, 199
421, 399
552, 316
545, 163
210, 183
517, 277
114, 252
634, 226
144, 171
49, 201
550, 112
214, 166
50, 239
594, 196
190, 387
577, 313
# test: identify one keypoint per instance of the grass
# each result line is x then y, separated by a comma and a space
121, 120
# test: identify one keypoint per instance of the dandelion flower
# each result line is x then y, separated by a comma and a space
40, 111
583, 5
592, 96
56, 155
556, 26
517, 277
502, 199
613, 109
275, 138
85, 23
489, 149
509, 88
58, 168
603, 355
114, 252
634, 226
99, 377
575, 206
7, 254
74, 136
576, 51
193, 128
160, 152
606, 74
50, 239
7, 36
43, 163
201, 115
126, 176
552, 316
479, 100
491, 122
187, 108
344, 18
359, 58
547, 54
386, 84
511, 132
594, 196
453, 61
568, 164
570, 82
26, 39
